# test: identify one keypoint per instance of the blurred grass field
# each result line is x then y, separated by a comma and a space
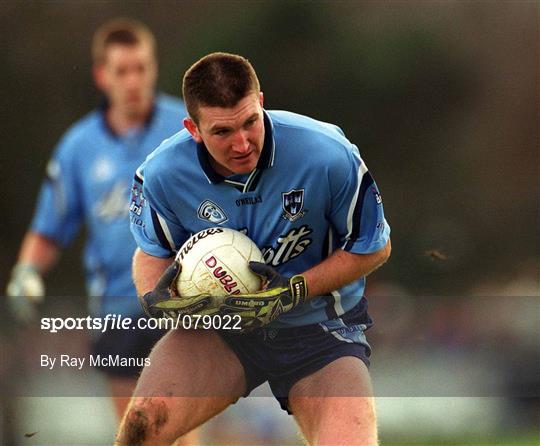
528, 440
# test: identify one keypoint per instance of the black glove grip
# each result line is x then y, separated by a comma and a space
161, 291
167, 278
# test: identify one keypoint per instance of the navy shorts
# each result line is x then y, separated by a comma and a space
134, 344
284, 356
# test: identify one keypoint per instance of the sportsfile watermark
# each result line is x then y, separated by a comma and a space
119, 322
422, 346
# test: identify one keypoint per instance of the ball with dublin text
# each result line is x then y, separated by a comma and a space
215, 261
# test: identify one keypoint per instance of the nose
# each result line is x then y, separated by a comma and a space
240, 142
133, 79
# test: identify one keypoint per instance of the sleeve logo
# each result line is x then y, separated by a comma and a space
376, 193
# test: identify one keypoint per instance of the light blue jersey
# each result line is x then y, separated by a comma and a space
88, 182
310, 194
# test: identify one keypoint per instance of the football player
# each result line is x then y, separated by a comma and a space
88, 183
300, 189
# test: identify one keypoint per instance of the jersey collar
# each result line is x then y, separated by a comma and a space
266, 160
104, 105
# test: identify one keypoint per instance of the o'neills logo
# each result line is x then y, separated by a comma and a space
222, 275
188, 246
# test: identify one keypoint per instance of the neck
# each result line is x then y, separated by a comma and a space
218, 168
122, 122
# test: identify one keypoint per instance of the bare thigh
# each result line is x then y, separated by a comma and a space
121, 391
192, 376
335, 404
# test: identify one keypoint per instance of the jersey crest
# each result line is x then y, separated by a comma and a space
293, 204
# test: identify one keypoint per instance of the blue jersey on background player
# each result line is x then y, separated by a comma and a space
88, 182
310, 194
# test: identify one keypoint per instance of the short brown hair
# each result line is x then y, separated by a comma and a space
121, 31
218, 80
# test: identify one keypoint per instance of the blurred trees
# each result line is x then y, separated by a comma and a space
441, 98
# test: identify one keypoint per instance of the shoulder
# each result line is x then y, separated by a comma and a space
174, 154
81, 132
90, 123
294, 124
170, 104
312, 139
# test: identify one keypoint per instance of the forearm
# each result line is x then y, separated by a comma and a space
147, 270
38, 251
342, 268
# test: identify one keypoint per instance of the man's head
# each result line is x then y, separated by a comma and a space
224, 102
125, 65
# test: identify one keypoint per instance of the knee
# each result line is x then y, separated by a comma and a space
144, 422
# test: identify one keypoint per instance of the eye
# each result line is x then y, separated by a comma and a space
221, 132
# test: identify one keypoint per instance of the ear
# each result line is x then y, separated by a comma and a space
98, 72
261, 98
191, 127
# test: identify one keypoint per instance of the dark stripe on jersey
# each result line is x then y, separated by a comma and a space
267, 153
367, 181
159, 231
138, 179
202, 154
330, 310
329, 299
254, 181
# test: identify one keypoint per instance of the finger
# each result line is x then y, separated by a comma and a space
173, 303
168, 276
185, 305
145, 302
263, 270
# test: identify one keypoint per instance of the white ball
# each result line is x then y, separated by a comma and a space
215, 261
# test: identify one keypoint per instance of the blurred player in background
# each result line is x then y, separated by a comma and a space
301, 191
88, 181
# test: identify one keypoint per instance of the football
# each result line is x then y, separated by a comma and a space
215, 261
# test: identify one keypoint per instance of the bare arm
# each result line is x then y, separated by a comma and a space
147, 270
39, 252
342, 268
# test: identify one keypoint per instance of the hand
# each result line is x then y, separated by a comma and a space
164, 300
256, 309
25, 290
164, 290
279, 295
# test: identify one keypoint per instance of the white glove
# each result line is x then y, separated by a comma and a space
25, 289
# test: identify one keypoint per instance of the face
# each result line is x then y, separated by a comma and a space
233, 136
128, 78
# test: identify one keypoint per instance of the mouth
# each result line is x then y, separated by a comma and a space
134, 96
242, 157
